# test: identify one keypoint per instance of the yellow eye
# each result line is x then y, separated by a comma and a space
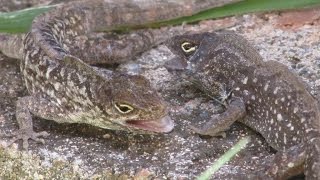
123, 108
188, 47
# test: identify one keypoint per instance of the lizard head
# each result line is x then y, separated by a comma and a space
132, 104
194, 59
186, 48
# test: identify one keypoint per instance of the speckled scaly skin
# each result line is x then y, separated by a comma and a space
265, 96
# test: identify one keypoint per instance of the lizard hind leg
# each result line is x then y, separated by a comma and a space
286, 163
26, 106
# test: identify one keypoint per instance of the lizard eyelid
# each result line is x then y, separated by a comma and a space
188, 47
123, 108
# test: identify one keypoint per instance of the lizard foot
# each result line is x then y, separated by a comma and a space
206, 133
25, 135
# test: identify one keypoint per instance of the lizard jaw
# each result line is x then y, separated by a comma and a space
163, 125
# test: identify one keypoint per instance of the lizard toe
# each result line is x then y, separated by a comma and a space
38, 140
195, 129
8, 135
42, 134
25, 135
204, 132
25, 143
13, 140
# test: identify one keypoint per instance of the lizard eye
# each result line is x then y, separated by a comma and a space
188, 47
123, 108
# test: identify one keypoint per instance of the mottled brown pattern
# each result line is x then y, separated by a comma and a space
273, 100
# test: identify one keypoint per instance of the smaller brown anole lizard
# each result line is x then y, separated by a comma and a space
265, 96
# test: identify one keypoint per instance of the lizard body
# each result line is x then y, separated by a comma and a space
65, 89
265, 96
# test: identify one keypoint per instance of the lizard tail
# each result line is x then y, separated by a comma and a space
12, 45
312, 169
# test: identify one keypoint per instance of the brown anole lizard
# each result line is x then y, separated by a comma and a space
265, 96
63, 88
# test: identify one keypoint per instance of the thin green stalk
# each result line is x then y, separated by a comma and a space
224, 159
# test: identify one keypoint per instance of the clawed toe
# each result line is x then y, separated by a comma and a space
194, 129
39, 140
5, 135
13, 140
42, 134
206, 132
25, 143
197, 130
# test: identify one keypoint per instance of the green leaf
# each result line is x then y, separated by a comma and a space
20, 21
242, 7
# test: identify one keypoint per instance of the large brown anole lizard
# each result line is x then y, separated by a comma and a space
63, 88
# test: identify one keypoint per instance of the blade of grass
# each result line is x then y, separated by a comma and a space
224, 159
20, 21
242, 7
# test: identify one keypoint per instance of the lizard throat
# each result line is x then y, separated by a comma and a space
164, 125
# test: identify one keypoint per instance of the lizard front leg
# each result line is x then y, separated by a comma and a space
216, 126
24, 108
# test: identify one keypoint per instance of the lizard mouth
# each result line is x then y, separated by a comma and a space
164, 125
